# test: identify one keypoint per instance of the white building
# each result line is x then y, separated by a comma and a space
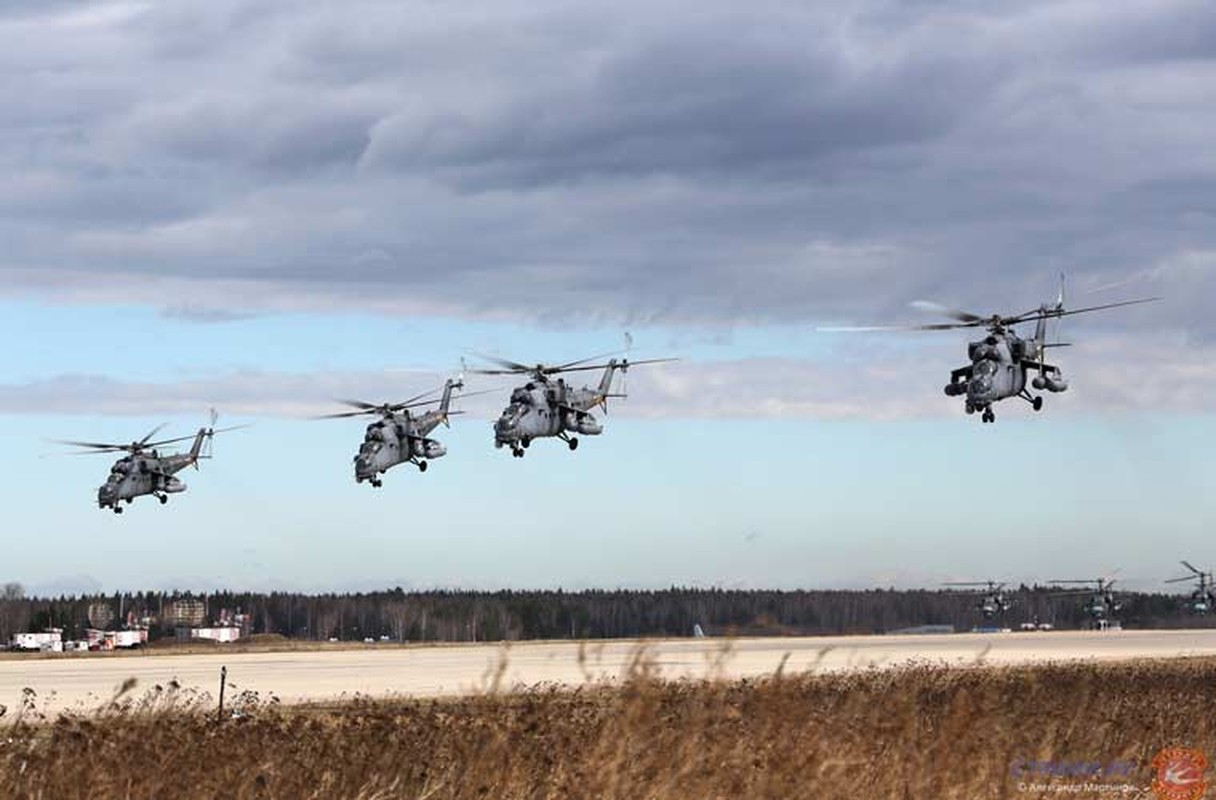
46, 640
218, 634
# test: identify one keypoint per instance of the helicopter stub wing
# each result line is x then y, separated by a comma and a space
961, 372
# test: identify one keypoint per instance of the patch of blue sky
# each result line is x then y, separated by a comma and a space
140, 343
650, 503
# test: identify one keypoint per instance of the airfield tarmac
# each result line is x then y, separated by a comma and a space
443, 670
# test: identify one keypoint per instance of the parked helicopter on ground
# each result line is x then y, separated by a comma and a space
1103, 602
991, 596
1002, 362
548, 407
399, 437
144, 470
1203, 598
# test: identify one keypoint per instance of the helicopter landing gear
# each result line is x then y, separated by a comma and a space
422, 466
988, 416
572, 443
524, 442
517, 451
1037, 404
375, 482
163, 498
117, 508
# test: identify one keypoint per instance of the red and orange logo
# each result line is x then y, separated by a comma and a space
1178, 774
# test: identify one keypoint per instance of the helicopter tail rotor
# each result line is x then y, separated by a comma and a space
204, 439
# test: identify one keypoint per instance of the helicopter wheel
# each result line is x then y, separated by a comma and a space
989, 416
117, 509
1037, 403
422, 466
573, 443
163, 498
376, 482
524, 443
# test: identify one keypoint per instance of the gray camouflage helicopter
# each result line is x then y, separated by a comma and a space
1002, 362
144, 470
548, 407
399, 437
1103, 602
1203, 598
992, 598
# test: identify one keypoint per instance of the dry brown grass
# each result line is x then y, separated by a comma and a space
918, 732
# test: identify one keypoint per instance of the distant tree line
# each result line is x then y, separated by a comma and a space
462, 616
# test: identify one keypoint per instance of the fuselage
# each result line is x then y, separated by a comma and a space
546, 408
140, 474
396, 439
1001, 364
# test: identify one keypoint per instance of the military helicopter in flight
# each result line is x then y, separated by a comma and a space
1003, 364
145, 470
992, 598
1103, 602
1203, 598
549, 407
400, 437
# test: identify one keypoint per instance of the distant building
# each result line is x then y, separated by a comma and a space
217, 634
46, 641
113, 640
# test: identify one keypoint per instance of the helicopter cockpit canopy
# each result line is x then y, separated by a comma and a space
521, 396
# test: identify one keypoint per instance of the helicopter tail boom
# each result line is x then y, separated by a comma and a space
606, 380
196, 449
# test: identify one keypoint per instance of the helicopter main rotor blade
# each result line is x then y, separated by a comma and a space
1191, 567
1038, 314
152, 433
360, 404
343, 414
511, 367
937, 326
418, 397
567, 367
946, 311
93, 445
102, 451
214, 431
969, 320
620, 364
647, 361
169, 441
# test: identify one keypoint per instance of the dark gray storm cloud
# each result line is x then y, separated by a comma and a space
629, 162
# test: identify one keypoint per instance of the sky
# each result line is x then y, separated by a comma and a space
262, 206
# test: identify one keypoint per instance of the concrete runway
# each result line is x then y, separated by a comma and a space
426, 671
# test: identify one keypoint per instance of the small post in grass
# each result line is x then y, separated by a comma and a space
223, 679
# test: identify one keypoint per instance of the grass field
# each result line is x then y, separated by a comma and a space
922, 732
